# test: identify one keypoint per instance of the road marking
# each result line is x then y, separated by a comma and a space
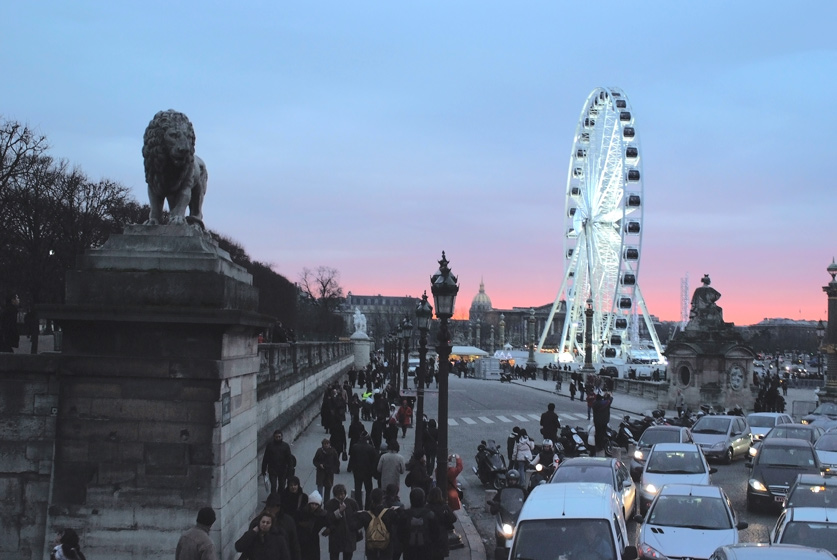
468, 420
519, 417
503, 419
452, 422
486, 419
535, 416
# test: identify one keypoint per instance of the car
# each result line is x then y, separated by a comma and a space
808, 432
687, 521
762, 422
764, 551
412, 365
826, 448
652, 435
722, 437
809, 526
559, 519
672, 463
608, 470
824, 415
812, 490
775, 468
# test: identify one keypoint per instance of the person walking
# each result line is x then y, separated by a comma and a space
445, 518
591, 398
679, 403
328, 464
312, 519
196, 544
375, 550
293, 498
264, 541
9, 335
550, 423
404, 417
417, 476
67, 547
283, 522
340, 516
417, 528
430, 444
601, 418
391, 465
523, 454
572, 390
277, 462
363, 464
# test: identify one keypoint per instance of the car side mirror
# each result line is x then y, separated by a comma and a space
742, 525
638, 518
713, 470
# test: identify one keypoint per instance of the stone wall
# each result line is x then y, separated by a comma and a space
118, 432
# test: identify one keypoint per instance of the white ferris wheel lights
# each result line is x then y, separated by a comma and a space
603, 230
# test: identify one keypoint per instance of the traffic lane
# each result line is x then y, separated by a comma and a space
733, 479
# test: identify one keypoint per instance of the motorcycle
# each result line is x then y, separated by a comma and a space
506, 508
638, 426
542, 472
573, 443
490, 465
623, 437
505, 377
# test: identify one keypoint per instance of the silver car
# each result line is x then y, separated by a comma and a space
672, 463
722, 437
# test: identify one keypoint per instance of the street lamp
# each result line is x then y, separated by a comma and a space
820, 336
424, 312
444, 288
393, 360
531, 363
830, 338
406, 334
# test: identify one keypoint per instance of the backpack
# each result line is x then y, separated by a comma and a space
377, 535
418, 531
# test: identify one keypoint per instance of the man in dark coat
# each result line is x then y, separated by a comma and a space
277, 462
417, 527
363, 464
327, 464
601, 418
550, 424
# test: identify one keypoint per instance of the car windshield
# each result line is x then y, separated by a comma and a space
690, 511
827, 442
583, 473
548, 539
792, 433
709, 425
815, 535
829, 409
650, 437
786, 457
675, 462
812, 496
756, 421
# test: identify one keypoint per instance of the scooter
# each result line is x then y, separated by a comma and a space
505, 377
623, 437
572, 441
505, 513
490, 465
541, 473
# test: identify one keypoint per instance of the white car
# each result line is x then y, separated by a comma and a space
809, 526
826, 448
762, 422
687, 521
672, 463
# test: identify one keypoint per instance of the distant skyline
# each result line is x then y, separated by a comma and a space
370, 136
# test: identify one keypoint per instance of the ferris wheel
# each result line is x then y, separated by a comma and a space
603, 228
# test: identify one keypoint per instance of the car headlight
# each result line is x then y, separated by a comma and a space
639, 455
508, 530
805, 421
646, 551
719, 445
757, 485
754, 451
650, 488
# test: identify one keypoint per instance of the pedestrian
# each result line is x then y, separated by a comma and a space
9, 335
511, 441
418, 527
282, 522
264, 541
454, 469
363, 464
196, 544
572, 390
325, 410
430, 443
679, 403
445, 519
417, 476
591, 398
340, 517
391, 465
312, 519
550, 423
377, 434
601, 418
67, 547
293, 498
404, 417
277, 462
523, 454
375, 549
356, 430
338, 440
328, 464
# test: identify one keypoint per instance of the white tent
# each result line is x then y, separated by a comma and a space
468, 351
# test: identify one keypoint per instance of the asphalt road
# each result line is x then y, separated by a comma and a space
481, 410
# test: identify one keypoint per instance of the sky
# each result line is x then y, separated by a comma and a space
371, 136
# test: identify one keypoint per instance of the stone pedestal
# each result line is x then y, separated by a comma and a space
158, 414
361, 346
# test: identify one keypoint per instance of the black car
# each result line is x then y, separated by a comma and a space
775, 468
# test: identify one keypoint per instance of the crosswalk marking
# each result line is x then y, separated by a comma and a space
486, 419
534, 416
468, 420
503, 419
565, 418
519, 417
452, 422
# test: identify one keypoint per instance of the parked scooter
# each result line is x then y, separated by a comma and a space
490, 464
505, 377
575, 445
623, 436
506, 508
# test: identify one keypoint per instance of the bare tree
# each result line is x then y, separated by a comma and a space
322, 286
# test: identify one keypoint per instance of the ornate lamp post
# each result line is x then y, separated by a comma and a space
820, 336
406, 334
588, 368
393, 363
424, 312
444, 287
830, 346
531, 364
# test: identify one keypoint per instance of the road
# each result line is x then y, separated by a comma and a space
481, 410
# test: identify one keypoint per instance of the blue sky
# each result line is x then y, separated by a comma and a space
370, 136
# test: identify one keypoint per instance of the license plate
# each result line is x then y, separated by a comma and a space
778, 498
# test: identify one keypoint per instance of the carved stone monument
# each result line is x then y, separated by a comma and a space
708, 360
361, 343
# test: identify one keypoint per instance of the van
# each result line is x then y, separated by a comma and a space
571, 520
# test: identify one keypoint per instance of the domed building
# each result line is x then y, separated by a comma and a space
480, 304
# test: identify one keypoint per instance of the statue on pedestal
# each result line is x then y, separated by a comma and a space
705, 312
359, 321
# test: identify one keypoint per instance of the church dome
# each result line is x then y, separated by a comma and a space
481, 301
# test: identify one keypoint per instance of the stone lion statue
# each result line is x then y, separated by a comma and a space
172, 170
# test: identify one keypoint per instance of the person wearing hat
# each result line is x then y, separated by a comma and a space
282, 523
312, 520
195, 544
